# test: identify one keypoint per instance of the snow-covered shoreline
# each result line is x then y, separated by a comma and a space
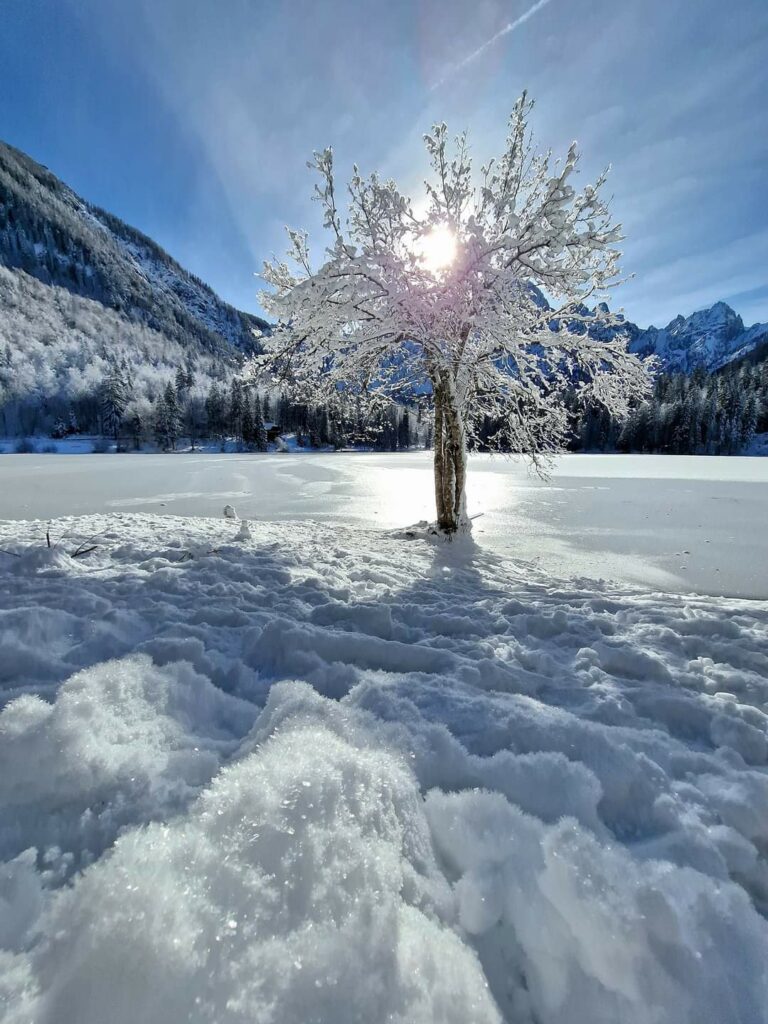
302, 772
674, 523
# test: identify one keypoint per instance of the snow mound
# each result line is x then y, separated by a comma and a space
310, 776
302, 885
596, 936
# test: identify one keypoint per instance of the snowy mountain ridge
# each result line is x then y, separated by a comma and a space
709, 337
54, 235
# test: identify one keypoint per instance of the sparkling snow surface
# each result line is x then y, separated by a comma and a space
674, 523
292, 772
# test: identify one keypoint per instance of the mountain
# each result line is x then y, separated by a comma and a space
81, 291
55, 236
710, 338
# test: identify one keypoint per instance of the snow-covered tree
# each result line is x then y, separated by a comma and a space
160, 423
115, 394
181, 383
167, 418
479, 291
173, 415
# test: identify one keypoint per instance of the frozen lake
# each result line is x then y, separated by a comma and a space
673, 523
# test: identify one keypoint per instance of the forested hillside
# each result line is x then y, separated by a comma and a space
83, 296
57, 350
54, 235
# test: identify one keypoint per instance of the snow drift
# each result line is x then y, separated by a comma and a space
302, 776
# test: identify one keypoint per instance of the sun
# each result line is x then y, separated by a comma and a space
437, 250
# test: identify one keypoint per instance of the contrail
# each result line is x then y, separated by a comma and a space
490, 42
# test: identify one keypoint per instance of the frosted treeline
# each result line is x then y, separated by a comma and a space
701, 414
69, 365
56, 349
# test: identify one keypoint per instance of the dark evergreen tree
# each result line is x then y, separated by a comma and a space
216, 411
259, 430
160, 423
182, 385
235, 411
404, 431
135, 429
195, 419
247, 434
172, 416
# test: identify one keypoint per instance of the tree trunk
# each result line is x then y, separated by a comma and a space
450, 460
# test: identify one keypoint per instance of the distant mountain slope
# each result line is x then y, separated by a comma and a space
52, 234
56, 349
710, 338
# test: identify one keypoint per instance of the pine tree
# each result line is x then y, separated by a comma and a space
135, 428
194, 419
160, 423
127, 372
259, 430
215, 410
235, 414
173, 415
114, 399
246, 423
749, 420
181, 383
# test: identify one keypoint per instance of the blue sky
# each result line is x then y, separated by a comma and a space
193, 119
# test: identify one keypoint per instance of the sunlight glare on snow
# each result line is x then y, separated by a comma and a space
617, 517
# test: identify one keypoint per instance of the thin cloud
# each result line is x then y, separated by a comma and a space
505, 31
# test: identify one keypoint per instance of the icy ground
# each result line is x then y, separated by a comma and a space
293, 773
672, 523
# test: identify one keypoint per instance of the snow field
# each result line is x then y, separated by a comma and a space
293, 774
660, 522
